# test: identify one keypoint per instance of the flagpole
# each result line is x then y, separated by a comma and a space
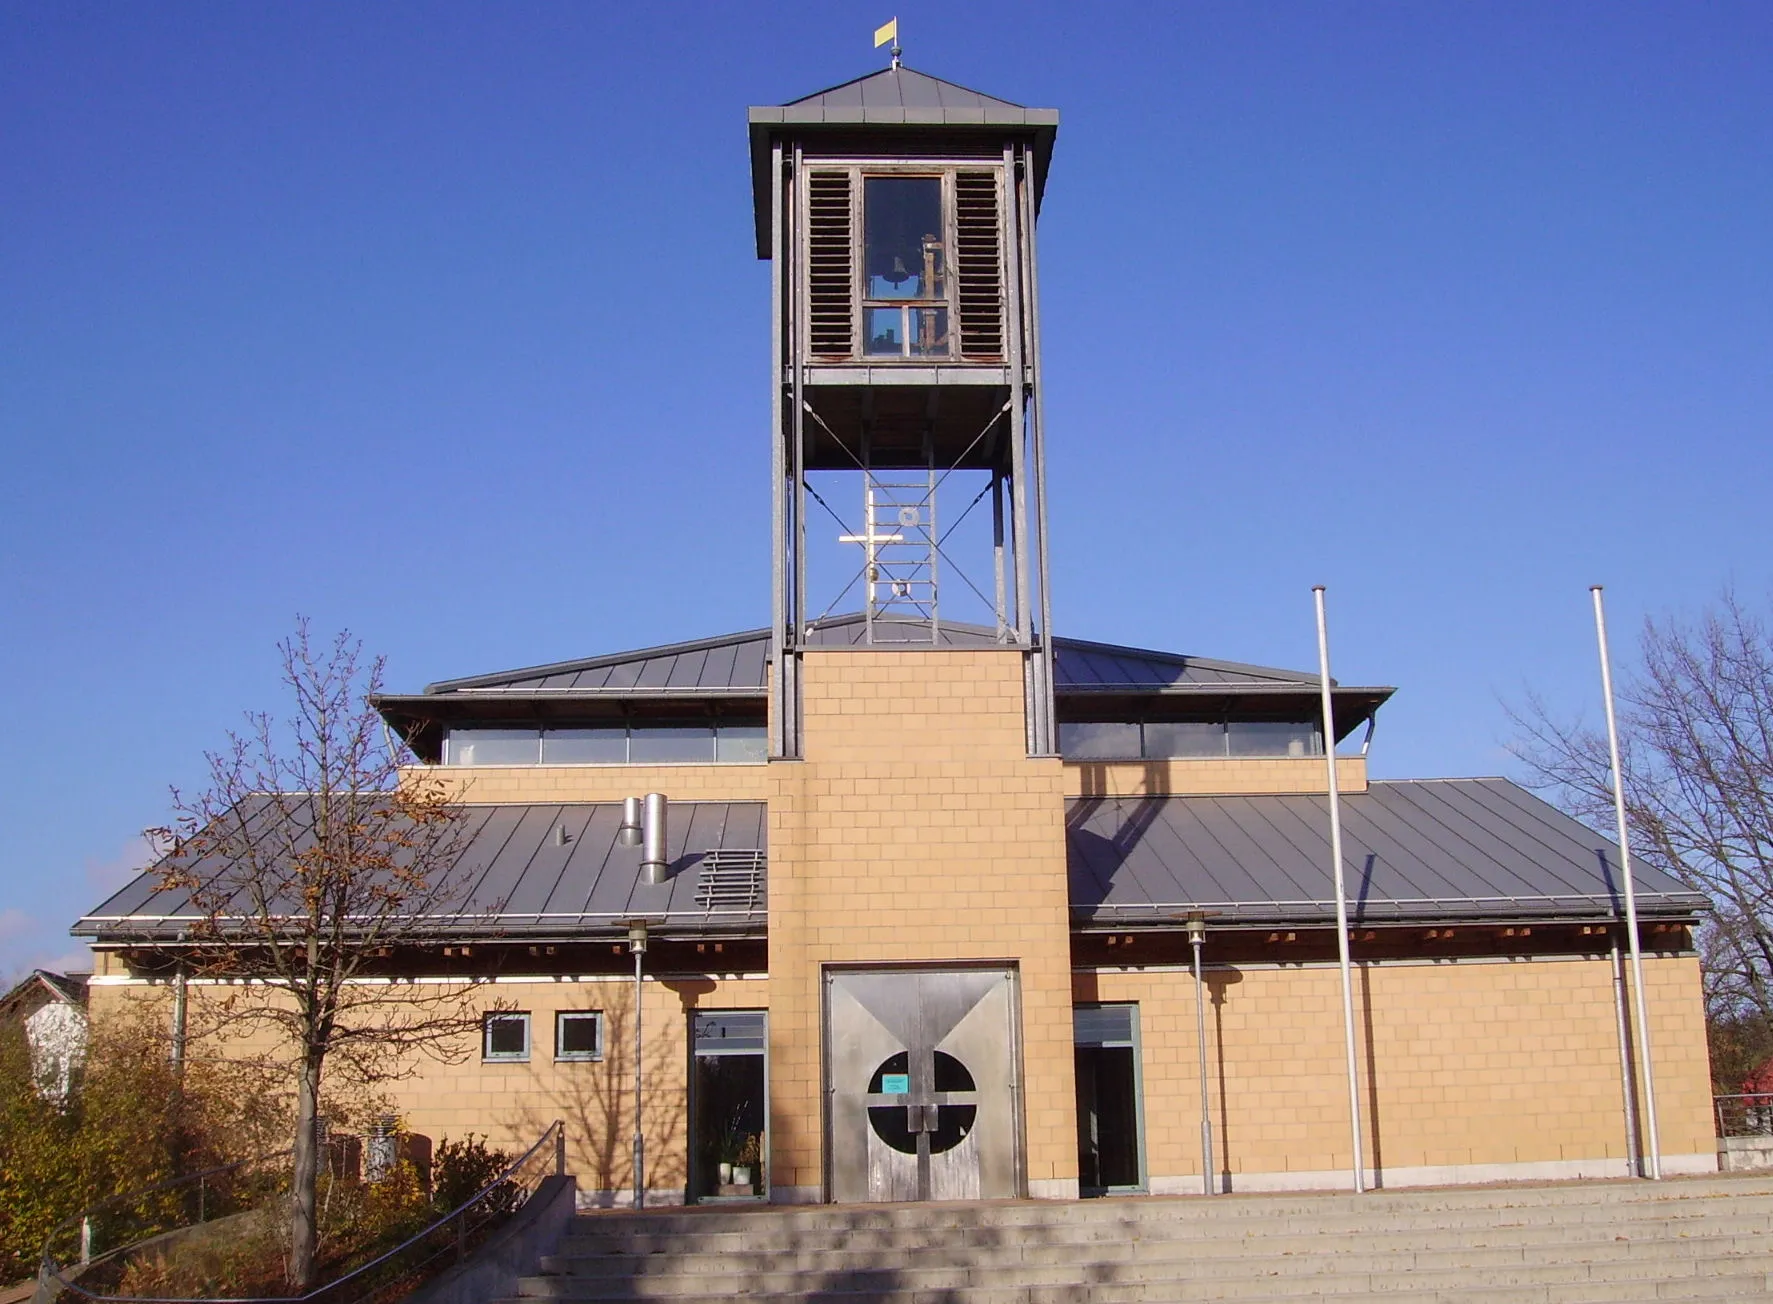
1354, 1102
1631, 899
889, 31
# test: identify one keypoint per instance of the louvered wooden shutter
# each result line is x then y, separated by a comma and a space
831, 278
979, 264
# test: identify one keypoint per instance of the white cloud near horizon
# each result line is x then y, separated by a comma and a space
27, 942
106, 876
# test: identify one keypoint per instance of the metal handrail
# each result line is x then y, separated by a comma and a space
555, 1133
67, 1224
49, 1269
1744, 1114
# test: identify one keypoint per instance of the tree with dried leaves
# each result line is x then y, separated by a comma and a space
1696, 759
314, 862
128, 1118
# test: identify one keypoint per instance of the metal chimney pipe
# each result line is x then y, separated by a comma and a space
653, 858
629, 834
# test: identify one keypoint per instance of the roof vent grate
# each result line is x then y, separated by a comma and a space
979, 262
731, 879
830, 265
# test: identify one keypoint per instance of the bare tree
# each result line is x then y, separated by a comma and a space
1696, 758
311, 859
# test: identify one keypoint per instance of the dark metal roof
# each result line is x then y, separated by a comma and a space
728, 675
902, 94
735, 663
1430, 850
520, 880
893, 98
1086, 665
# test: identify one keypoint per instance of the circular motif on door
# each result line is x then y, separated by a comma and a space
891, 1123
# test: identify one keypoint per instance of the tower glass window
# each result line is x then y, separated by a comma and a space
1126, 740
905, 267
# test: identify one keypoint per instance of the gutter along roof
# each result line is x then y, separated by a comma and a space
1425, 850
519, 880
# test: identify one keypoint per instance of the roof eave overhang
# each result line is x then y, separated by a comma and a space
1468, 912
444, 703
176, 934
419, 718
1352, 707
1221, 690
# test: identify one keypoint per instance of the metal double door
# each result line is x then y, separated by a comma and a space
923, 1101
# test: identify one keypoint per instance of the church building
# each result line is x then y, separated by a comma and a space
916, 886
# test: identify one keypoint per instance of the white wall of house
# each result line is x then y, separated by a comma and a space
57, 1037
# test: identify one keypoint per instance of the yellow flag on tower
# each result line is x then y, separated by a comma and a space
888, 32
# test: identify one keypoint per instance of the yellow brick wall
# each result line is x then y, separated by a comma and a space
1466, 1064
512, 1103
485, 784
1460, 1064
1189, 776
918, 829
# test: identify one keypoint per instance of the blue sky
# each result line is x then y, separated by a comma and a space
442, 323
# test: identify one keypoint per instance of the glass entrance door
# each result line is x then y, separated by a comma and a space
729, 1105
1110, 1149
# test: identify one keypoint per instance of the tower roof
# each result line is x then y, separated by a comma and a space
896, 98
892, 94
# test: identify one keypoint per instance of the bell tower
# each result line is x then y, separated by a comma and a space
898, 213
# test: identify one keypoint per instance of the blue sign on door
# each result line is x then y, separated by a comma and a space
895, 1084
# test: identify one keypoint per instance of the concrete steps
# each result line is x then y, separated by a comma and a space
1618, 1242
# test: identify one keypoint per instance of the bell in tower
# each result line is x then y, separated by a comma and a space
898, 211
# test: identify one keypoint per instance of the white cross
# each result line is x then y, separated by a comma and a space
870, 541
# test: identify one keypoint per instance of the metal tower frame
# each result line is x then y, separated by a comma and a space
899, 538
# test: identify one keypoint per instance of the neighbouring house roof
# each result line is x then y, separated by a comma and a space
729, 673
893, 98
1415, 850
519, 878
41, 988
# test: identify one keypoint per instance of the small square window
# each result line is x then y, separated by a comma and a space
578, 1035
505, 1036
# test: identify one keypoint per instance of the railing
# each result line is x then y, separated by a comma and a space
1750, 1115
228, 1212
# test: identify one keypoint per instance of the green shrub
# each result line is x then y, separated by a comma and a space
462, 1169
